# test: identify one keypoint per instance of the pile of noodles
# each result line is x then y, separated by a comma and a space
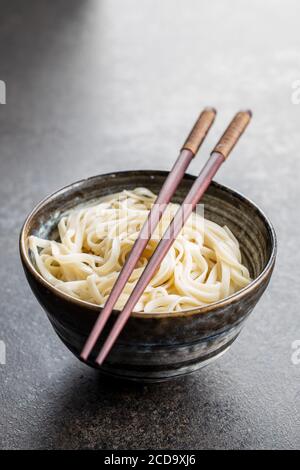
203, 266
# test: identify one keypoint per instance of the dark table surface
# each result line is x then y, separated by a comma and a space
97, 86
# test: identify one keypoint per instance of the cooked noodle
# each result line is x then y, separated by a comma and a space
203, 266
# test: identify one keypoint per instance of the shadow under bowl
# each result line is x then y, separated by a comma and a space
159, 346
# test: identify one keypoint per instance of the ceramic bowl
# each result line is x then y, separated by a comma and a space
156, 347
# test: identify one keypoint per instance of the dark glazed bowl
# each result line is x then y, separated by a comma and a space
156, 347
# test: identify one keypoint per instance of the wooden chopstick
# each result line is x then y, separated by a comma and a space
217, 157
188, 151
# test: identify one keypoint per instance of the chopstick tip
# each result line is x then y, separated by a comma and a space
83, 356
100, 359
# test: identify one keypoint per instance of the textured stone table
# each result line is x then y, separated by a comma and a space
102, 86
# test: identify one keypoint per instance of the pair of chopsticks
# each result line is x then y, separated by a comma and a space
219, 154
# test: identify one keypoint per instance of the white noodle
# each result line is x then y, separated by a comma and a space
202, 267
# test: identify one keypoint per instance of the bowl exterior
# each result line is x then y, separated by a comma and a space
153, 347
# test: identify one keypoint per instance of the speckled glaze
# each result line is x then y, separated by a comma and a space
156, 347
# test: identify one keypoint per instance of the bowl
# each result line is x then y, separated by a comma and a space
157, 346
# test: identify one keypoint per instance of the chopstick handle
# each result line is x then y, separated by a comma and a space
199, 131
233, 133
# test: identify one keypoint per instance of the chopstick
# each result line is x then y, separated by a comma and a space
217, 157
188, 151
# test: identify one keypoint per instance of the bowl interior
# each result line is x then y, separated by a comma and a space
221, 205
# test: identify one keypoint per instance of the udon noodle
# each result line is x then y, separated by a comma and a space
203, 266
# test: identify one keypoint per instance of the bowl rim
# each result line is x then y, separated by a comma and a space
193, 311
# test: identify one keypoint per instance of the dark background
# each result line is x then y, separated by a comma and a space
97, 86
